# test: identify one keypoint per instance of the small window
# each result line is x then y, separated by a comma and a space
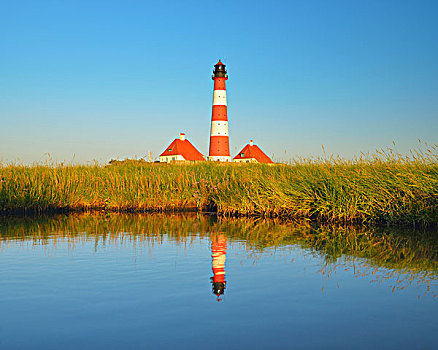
170, 150
173, 158
242, 154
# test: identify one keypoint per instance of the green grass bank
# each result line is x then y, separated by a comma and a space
387, 190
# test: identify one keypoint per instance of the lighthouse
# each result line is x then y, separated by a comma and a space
219, 139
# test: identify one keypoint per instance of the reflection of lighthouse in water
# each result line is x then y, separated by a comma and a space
218, 255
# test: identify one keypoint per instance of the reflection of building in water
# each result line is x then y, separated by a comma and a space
218, 255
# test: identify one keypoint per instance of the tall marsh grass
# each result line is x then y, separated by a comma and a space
380, 188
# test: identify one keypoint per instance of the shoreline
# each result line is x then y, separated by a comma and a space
395, 193
53, 212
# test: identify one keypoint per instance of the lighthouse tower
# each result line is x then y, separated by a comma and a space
219, 140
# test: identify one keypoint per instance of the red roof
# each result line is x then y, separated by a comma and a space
183, 148
253, 152
219, 63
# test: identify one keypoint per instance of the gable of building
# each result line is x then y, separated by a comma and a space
182, 148
253, 152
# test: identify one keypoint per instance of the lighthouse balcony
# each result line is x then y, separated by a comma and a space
219, 76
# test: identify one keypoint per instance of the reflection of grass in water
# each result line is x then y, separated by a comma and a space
109, 227
411, 256
403, 258
384, 187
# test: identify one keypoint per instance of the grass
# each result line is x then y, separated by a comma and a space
381, 188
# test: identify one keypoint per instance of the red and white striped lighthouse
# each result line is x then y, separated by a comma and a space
219, 139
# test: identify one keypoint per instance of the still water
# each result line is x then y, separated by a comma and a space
195, 282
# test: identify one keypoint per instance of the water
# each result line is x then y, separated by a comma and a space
166, 282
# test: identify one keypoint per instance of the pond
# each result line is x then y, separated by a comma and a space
172, 281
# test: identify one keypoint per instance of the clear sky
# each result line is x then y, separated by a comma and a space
84, 80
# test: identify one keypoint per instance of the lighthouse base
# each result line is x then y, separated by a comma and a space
219, 158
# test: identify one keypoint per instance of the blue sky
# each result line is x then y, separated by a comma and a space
95, 80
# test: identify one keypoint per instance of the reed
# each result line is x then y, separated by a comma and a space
372, 189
